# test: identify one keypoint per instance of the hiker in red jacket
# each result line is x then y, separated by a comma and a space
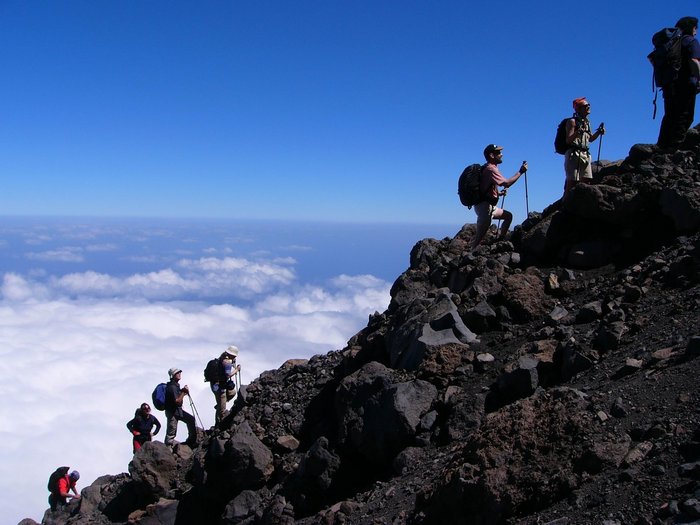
61, 491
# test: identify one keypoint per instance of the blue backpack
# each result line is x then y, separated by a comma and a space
158, 396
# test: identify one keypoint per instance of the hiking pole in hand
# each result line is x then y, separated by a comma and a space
527, 198
194, 410
600, 145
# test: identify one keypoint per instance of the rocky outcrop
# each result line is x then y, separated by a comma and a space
551, 378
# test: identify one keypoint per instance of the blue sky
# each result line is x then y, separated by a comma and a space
256, 129
312, 110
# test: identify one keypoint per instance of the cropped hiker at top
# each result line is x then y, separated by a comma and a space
490, 180
578, 136
682, 84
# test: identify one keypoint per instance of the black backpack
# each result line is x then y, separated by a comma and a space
560, 145
212, 372
57, 474
468, 187
666, 59
666, 56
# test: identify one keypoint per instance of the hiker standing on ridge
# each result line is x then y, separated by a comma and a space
577, 159
491, 178
174, 395
60, 486
679, 95
142, 425
220, 373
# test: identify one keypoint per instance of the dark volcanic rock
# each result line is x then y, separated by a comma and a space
576, 404
377, 416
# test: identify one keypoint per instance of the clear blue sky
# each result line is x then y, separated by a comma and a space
328, 110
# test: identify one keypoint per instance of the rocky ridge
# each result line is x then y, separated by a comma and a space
548, 379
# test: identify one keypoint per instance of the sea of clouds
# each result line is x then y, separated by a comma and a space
84, 338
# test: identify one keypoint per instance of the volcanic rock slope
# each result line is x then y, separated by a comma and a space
548, 379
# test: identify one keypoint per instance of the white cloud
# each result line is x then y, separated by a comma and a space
65, 254
78, 353
206, 277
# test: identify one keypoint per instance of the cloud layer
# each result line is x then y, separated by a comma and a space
80, 351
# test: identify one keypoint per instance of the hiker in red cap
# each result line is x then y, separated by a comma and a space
577, 159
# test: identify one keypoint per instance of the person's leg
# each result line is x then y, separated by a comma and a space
506, 217
171, 427
137, 445
191, 428
686, 112
220, 397
667, 122
570, 171
483, 222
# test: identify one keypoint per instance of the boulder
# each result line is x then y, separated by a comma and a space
155, 468
244, 505
524, 296
248, 462
376, 418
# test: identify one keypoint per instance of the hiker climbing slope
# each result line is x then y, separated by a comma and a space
60, 486
220, 373
174, 396
577, 159
491, 178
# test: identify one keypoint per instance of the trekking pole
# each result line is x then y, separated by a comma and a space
527, 198
600, 145
196, 413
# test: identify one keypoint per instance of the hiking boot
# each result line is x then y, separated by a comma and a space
192, 443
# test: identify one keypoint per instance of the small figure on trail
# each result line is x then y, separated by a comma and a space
142, 426
174, 395
681, 87
60, 485
577, 159
491, 178
221, 373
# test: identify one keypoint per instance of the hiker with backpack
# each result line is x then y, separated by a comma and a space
489, 180
174, 396
142, 426
676, 61
573, 139
220, 373
60, 485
